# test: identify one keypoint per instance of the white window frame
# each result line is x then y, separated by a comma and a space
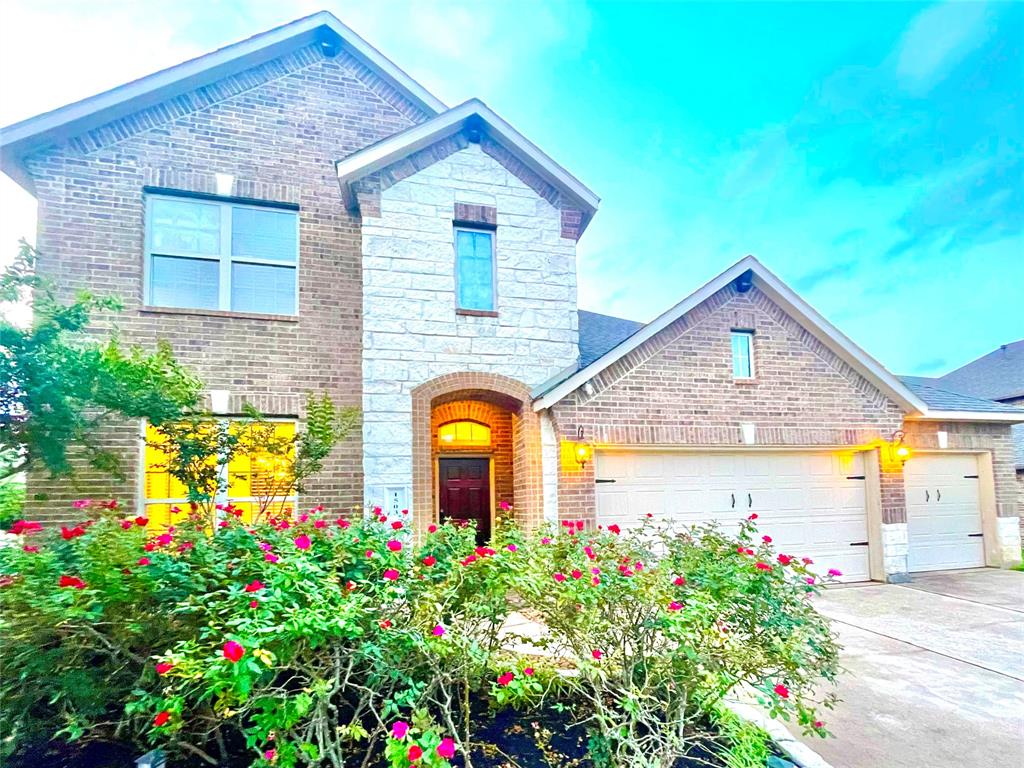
224, 257
749, 336
494, 265
221, 497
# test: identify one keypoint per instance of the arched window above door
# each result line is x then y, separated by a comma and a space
464, 434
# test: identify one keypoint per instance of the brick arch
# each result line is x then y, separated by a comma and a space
454, 395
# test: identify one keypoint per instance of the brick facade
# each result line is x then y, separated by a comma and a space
677, 388
277, 128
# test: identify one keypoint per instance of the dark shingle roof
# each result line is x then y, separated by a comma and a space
599, 333
999, 375
936, 395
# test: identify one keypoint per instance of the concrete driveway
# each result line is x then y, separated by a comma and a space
935, 672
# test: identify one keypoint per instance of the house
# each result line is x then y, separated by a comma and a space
997, 376
295, 213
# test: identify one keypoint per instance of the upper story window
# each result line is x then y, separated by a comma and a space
743, 354
464, 433
474, 269
209, 254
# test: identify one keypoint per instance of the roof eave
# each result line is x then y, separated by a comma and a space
394, 148
21, 138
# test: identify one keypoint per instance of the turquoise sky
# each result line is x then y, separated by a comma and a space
871, 154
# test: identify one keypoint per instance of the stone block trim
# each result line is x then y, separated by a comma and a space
278, 130
678, 389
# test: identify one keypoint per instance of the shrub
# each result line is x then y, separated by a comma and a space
315, 640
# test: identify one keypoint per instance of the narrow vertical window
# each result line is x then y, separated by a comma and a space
474, 269
742, 354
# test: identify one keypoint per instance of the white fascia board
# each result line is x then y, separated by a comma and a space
70, 120
802, 312
394, 148
990, 416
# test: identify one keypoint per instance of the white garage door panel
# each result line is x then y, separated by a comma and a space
804, 501
943, 511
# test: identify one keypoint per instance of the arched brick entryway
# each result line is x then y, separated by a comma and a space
455, 393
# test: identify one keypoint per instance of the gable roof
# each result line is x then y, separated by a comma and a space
470, 114
599, 333
800, 311
999, 375
22, 138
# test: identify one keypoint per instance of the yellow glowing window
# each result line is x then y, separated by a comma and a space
255, 482
464, 433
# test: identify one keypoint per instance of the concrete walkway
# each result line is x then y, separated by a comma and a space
935, 672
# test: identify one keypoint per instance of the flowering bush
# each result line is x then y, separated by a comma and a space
314, 640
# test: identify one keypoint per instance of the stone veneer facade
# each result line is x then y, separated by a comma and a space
412, 331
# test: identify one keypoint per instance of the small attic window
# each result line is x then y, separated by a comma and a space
743, 354
464, 434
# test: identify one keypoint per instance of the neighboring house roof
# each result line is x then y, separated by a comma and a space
22, 138
755, 273
999, 375
470, 114
599, 333
941, 397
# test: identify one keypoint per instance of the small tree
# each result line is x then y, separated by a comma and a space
60, 384
200, 446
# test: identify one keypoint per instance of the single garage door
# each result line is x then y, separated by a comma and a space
943, 512
811, 504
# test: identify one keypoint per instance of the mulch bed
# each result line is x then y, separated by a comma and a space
513, 739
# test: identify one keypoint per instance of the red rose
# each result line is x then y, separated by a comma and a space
143, 561
415, 752
163, 667
446, 748
71, 581
782, 691
161, 718
614, 529
391, 574
70, 533
506, 678
254, 586
394, 545
302, 542
233, 651
429, 560
597, 654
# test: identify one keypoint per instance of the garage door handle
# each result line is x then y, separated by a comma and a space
733, 497
602, 480
975, 535
858, 543
938, 495
927, 496
750, 501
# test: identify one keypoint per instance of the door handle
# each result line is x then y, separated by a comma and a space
938, 495
859, 543
733, 497
927, 496
750, 501
975, 535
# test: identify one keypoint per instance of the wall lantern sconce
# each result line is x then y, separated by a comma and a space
897, 450
582, 450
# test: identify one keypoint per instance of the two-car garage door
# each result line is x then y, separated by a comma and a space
811, 504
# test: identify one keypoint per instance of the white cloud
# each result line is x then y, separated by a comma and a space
937, 40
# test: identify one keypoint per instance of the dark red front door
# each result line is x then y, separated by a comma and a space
465, 493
